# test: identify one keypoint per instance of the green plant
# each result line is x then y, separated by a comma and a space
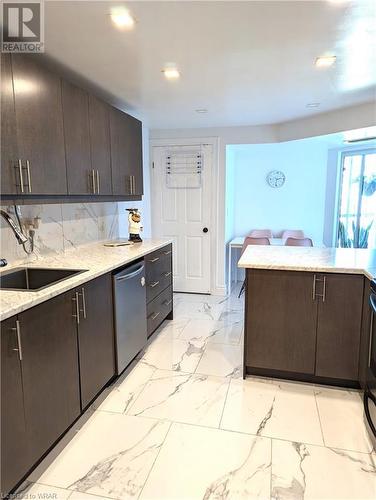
346, 242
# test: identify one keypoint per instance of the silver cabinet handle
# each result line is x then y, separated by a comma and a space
154, 284
314, 288
83, 310
166, 275
97, 182
19, 166
155, 316
168, 252
28, 175
19, 344
77, 315
130, 185
167, 302
370, 340
133, 184
93, 180
324, 290
154, 260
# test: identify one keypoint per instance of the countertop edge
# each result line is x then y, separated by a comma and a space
319, 269
71, 283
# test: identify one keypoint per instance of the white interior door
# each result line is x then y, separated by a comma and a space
181, 204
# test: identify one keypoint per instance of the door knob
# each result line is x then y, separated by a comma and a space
205, 230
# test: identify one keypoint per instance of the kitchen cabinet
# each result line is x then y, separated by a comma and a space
9, 174
338, 327
60, 142
304, 324
50, 371
365, 335
39, 123
95, 336
99, 121
281, 321
126, 154
15, 458
158, 274
80, 175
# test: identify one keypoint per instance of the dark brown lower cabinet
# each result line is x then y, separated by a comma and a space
281, 321
15, 456
303, 323
50, 371
95, 337
338, 327
365, 335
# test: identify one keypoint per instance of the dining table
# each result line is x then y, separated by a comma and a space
237, 243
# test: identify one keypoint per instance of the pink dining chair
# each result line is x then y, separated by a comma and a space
261, 233
299, 242
249, 240
292, 233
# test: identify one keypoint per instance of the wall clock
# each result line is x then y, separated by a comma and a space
276, 178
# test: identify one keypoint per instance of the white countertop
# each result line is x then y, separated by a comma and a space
316, 259
95, 258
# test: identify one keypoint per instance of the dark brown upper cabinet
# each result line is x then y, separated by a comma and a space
339, 325
126, 154
99, 121
10, 179
15, 459
60, 142
39, 124
80, 175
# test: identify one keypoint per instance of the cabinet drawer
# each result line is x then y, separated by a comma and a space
158, 309
158, 272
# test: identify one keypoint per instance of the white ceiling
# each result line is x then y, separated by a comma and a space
248, 63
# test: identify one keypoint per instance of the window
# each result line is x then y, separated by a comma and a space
357, 208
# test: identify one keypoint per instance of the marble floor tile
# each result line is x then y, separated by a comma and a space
233, 302
198, 463
123, 393
341, 415
232, 315
35, 491
210, 331
110, 456
313, 472
197, 297
173, 354
77, 495
182, 397
221, 360
273, 408
197, 310
170, 329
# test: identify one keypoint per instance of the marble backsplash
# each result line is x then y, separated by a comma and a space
64, 227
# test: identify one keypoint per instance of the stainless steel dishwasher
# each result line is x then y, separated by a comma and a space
130, 313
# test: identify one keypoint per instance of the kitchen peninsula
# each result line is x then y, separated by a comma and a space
305, 313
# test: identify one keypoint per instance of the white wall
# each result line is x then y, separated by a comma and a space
299, 204
319, 124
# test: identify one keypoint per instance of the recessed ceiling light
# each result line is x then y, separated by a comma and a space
122, 19
171, 73
202, 110
313, 105
325, 61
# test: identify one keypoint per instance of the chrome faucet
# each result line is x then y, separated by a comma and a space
17, 231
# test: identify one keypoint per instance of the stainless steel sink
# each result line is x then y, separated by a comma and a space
34, 278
